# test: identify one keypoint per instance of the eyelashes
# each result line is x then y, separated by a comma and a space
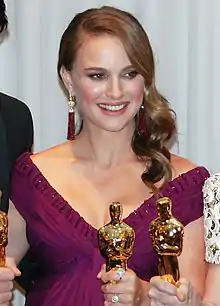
131, 74
97, 76
103, 76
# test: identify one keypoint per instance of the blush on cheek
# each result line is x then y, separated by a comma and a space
136, 89
86, 97
89, 93
138, 94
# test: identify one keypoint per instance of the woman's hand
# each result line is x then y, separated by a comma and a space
7, 275
120, 287
164, 293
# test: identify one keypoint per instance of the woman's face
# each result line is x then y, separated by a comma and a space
108, 90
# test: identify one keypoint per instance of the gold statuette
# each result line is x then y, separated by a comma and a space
116, 239
167, 236
3, 235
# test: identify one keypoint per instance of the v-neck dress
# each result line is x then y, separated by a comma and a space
65, 247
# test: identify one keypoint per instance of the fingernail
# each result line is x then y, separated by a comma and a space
17, 272
181, 296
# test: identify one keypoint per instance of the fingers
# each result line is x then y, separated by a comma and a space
6, 297
7, 275
118, 298
164, 293
123, 294
17, 272
155, 303
102, 271
10, 263
116, 275
184, 290
163, 286
6, 286
162, 298
119, 286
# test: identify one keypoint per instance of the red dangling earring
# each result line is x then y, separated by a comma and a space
71, 118
142, 121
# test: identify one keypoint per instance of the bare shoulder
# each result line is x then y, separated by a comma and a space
57, 152
181, 165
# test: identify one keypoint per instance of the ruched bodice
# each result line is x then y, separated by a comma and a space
65, 247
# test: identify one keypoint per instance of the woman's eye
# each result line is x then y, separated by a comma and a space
131, 74
97, 76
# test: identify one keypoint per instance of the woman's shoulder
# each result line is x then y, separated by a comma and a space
28, 161
183, 167
56, 151
186, 189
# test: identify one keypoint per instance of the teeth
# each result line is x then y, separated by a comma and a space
112, 107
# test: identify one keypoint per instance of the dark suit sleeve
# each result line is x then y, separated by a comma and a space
26, 266
18, 126
27, 131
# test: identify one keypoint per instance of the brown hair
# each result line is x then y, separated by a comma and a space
161, 125
3, 17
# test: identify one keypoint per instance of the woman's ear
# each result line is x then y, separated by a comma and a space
66, 78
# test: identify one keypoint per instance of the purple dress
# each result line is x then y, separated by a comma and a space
65, 246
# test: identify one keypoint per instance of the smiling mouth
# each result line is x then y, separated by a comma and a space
113, 108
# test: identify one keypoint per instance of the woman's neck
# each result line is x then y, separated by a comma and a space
106, 149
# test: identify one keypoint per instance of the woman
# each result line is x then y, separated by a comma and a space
61, 196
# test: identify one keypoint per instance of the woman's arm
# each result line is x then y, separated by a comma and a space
191, 262
212, 286
17, 241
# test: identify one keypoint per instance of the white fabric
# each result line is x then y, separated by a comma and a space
211, 193
185, 38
